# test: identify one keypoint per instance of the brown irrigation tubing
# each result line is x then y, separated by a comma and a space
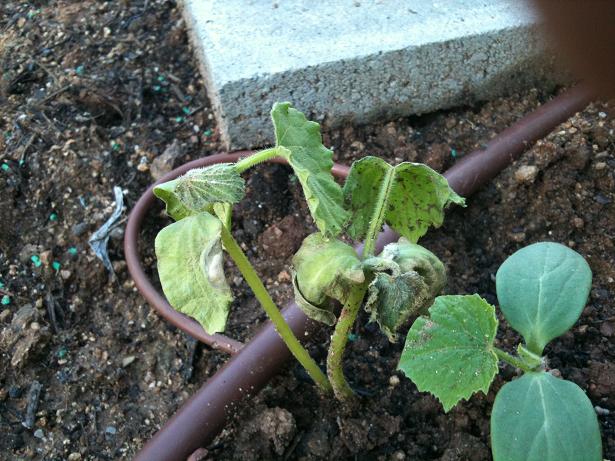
200, 419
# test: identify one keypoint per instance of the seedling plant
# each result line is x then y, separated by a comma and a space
449, 351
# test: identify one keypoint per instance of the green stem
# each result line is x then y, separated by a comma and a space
287, 335
254, 159
511, 359
341, 389
377, 220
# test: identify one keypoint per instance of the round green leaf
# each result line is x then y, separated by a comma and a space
451, 353
541, 418
190, 266
542, 290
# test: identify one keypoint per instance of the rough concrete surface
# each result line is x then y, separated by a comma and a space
360, 61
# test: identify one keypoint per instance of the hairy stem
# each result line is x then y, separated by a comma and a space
254, 159
512, 360
262, 295
377, 220
339, 339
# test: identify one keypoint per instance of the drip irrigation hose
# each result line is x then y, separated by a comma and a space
201, 418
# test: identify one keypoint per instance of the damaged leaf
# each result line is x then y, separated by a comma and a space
312, 163
190, 267
410, 197
325, 269
407, 279
451, 353
393, 299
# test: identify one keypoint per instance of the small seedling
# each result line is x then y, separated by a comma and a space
450, 351
542, 290
402, 281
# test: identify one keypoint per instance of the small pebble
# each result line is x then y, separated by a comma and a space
65, 274
578, 223
111, 430
35, 326
526, 174
602, 411
600, 166
394, 380
128, 360
39, 434
74, 456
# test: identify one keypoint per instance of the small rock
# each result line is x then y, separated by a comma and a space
35, 326
578, 223
111, 430
394, 380
284, 277
526, 174
65, 274
23, 317
162, 164
46, 257
602, 199
607, 329
518, 236
74, 456
128, 360
602, 411
600, 166
39, 434
5, 315
398, 456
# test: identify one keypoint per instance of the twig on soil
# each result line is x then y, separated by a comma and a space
52, 309
33, 396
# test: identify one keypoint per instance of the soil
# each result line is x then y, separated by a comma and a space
97, 94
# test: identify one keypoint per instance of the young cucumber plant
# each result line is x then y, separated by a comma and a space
542, 290
402, 281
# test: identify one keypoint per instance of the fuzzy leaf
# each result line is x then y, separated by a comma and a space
312, 163
325, 269
542, 290
410, 197
451, 353
542, 418
190, 266
199, 189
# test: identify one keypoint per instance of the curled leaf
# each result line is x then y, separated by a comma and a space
407, 279
325, 269
199, 189
410, 197
393, 299
312, 163
322, 314
190, 267
416, 258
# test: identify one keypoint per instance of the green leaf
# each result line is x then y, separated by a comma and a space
199, 189
410, 197
542, 290
541, 418
190, 266
451, 353
324, 269
312, 163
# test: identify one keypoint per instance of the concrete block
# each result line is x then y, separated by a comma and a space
360, 61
